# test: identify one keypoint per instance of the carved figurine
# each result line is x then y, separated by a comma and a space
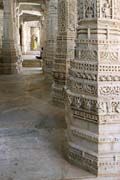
89, 9
106, 9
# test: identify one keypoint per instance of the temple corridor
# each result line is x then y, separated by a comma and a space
59, 89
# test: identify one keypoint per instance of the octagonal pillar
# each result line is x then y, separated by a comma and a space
67, 13
9, 63
93, 89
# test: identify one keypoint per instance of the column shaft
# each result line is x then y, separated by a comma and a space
67, 14
9, 63
52, 28
1, 31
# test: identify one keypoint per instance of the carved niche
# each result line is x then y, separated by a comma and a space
89, 9
106, 8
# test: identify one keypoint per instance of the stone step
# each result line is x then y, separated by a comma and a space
32, 63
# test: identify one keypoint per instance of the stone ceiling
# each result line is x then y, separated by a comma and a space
31, 10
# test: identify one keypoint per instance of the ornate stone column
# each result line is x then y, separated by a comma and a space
67, 14
93, 94
9, 63
1, 30
17, 27
22, 23
43, 34
52, 27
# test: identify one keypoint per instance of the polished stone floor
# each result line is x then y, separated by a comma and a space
32, 131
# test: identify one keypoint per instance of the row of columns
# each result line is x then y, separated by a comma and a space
10, 47
60, 43
86, 79
85, 64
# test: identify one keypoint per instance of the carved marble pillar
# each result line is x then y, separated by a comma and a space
22, 23
43, 35
8, 63
43, 25
1, 31
17, 27
52, 27
93, 94
67, 15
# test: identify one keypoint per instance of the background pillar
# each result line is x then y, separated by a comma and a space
1, 31
52, 27
67, 14
9, 62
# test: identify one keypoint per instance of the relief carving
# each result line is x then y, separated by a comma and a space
107, 9
89, 9
72, 15
108, 56
94, 78
110, 90
88, 55
62, 15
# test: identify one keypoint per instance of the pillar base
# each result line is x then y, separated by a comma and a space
10, 63
87, 146
58, 88
58, 96
100, 165
10, 68
80, 159
48, 67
